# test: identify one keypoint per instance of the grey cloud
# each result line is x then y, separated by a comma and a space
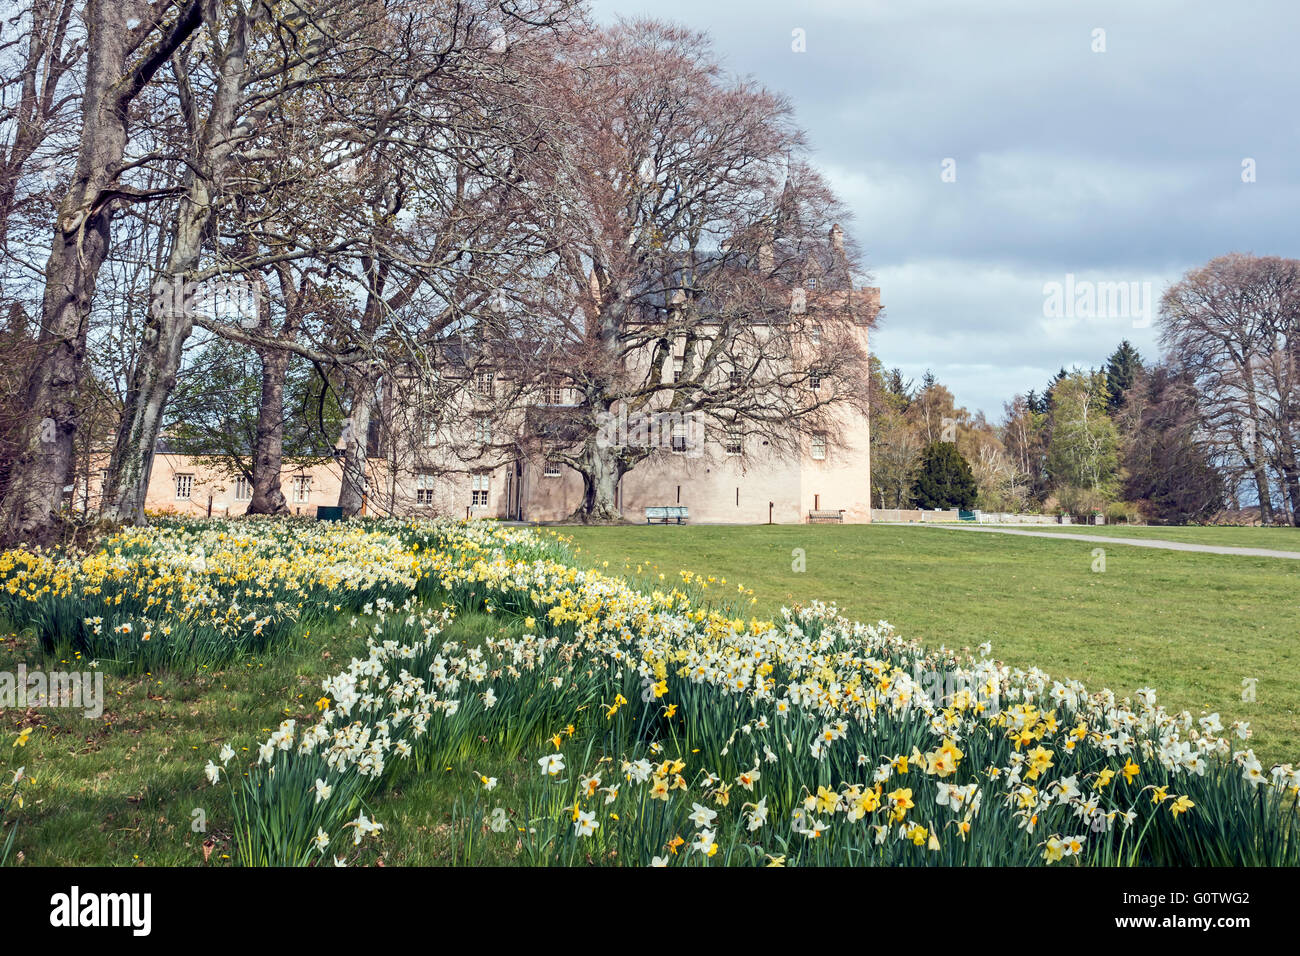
1122, 165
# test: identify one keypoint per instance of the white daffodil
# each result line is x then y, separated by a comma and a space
585, 824
362, 826
702, 816
552, 764
705, 843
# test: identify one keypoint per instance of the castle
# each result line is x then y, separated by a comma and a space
422, 463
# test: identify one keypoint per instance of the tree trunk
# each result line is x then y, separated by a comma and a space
1291, 485
268, 451
1259, 470
359, 394
602, 467
45, 458
171, 320
80, 243
151, 386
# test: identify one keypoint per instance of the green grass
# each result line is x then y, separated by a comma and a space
1190, 625
122, 789
1278, 539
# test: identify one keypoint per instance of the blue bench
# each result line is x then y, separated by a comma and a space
666, 513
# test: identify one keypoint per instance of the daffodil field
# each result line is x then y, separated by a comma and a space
188, 593
656, 729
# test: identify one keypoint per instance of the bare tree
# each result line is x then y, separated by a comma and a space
40, 44
128, 41
252, 57
1232, 326
696, 275
413, 170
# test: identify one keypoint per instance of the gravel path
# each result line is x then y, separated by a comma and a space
1135, 542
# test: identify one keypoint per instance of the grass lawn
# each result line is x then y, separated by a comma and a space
1190, 625
1279, 539
122, 789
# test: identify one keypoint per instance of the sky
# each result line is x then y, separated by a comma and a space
1006, 161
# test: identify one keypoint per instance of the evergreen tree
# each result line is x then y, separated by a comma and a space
944, 479
1057, 379
1122, 370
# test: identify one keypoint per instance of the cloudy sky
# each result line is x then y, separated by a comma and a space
1120, 165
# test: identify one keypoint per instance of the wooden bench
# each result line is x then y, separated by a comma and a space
826, 516
666, 513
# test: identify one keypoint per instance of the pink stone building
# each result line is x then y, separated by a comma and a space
419, 469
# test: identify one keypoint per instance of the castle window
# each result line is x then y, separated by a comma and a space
552, 470
301, 489
184, 487
483, 430
819, 446
733, 443
815, 334
483, 384
243, 489
555, 395
424, 489
479, 490
679, 438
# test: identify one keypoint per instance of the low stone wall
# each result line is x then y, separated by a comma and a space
994, 517
912, 514
906, 515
